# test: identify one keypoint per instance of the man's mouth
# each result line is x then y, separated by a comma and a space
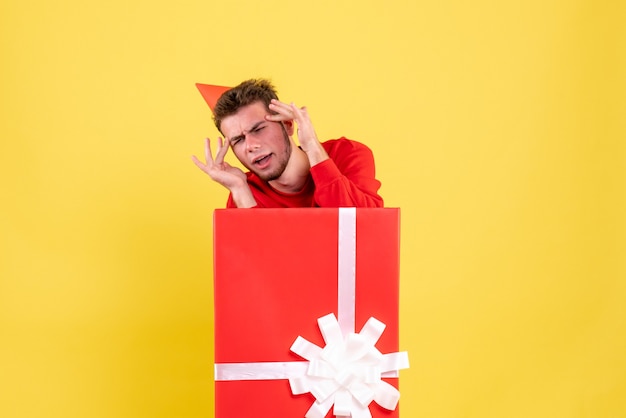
261, 162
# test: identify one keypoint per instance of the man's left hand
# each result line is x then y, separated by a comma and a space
306, 133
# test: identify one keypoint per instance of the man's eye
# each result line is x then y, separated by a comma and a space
235, 141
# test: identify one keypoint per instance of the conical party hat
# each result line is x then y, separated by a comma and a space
211, 93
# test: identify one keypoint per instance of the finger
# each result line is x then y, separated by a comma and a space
208, 155
221, 151
199, 163
297, 113
283, 111
277, 117
278, 105
301, 114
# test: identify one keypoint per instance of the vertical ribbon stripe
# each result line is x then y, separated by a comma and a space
346, 270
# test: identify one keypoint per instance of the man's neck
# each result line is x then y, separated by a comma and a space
296, 173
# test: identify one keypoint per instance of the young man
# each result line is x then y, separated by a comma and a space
259, 129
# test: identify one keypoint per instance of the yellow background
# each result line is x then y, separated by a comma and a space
498, 129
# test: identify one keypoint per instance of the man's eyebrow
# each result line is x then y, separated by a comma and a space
243, 135
236, 138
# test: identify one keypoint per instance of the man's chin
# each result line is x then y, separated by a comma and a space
266, 175
271, 173
269, 177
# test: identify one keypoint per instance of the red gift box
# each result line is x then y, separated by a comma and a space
276, 272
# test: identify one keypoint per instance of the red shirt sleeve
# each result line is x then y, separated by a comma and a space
348, 178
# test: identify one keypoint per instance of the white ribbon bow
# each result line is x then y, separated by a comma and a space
347, 372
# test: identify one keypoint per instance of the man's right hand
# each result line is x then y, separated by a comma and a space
223, 173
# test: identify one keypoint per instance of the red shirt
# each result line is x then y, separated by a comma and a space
346, 179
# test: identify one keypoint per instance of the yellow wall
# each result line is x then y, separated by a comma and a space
498, 128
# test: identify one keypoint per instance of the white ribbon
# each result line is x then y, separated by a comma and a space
347, 372
346, 270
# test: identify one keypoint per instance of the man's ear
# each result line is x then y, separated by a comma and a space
288, 124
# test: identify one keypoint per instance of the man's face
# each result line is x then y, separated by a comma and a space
263, 147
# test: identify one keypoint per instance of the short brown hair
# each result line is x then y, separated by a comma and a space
248, 92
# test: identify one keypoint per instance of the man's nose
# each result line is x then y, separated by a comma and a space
252, 143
